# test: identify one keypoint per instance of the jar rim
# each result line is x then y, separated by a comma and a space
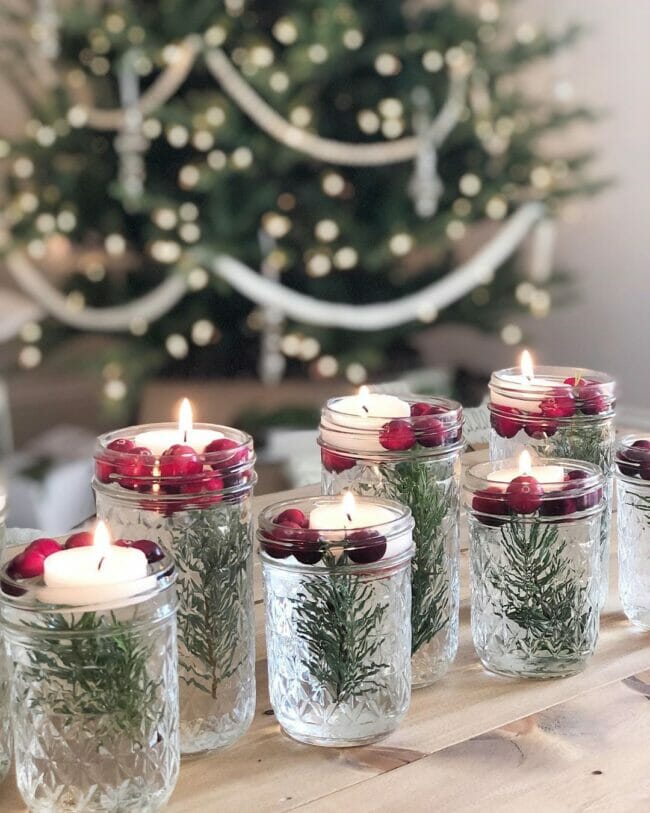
630, 459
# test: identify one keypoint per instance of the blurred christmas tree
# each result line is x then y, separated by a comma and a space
164, 135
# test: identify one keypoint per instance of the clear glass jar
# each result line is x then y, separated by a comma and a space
204, 518
338, 631
535, 566
557, 417
424, 475
5, 717
633, 492
94, 694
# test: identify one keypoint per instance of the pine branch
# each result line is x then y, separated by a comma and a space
211, 553
340, 621
642, 503
431, 501
539, 589
587, 443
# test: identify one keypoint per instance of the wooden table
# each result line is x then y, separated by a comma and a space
472, 742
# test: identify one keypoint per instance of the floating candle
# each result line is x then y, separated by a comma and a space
545, 475
158, 440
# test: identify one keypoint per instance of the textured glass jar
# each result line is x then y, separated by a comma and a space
205, 520
94, 695
535, 568
5, 719
424, 475
338, 631
558, 419
633, 492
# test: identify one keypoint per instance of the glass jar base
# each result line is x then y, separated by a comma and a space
427, 677
639, 616
337, 742
111, 800
531, 669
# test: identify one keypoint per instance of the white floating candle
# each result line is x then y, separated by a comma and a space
158, 440
545, 475
534, 387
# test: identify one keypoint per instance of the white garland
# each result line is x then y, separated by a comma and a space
269, 293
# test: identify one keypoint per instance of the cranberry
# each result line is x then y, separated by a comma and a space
560, 405
180, 461
122, 543
524, 494
293, 515
83, 539
506, 421
422, 408
230, 452
292, 539
491, 505
309, 547
430, 431
397, 436
137, 465
28, 564
121, 445
540, 428
332, 461
590, 499
14, 575
368, 546
44, 546
150, 549
558, 506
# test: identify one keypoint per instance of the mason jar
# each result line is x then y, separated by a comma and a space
338, 631
633, 492
5, 718
416, 461
198, 506
560, 412
94, 693
534, 565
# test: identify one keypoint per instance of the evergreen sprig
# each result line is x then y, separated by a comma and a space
431, 500
337, 616
590, 444
211, 552
642, 503
100, 670
539, 589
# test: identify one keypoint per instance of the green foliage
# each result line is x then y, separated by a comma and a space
334, 87
339, 618
100, 671
211, 552
576, 441
432, 503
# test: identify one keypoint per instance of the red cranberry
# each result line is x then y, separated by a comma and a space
560, 405
44, 546
122, 543
309, 548
430, 431
83, 539
582, 501
559, 506
29, 564
397, 436
121, 445
367, 546
540, 428
524, 494
222, 446
491, 505
14, 575
506, 421
150, 549
138, 464
293, 515
332, 461
180, 461
422, 408
281, 541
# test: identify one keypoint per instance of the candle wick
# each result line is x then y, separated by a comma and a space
185, 436
349, 517
364, 408
101, 562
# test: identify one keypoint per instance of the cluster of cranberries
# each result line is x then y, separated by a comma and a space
585, 398
425, 427
525, 495
634, 460
31, 562
292, 536
182, 470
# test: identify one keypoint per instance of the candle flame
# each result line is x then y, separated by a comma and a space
526, 365
349, 505
363, 397
102, 539
185, 419
525, 463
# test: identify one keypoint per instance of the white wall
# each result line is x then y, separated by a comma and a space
609, 246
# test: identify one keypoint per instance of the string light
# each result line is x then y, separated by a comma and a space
524, 292
346, 258
352, 39
189, 176
279, 81
45, 136
197, 279
46, 222
215, 116
286, 201
178, 136
317, 53
5, 148
290, 345
526, 33
165, 251
393, 128
427, 313
217, 159
300, 116
203, 332
28, 201
285, 31
242, 158
319, 265
177, 346
496, 208
215, 36
276, 225
36, 249
23, 167
66, 220
151, 128
203, 140
455, 229
511, 334
541, 177
115, 244
462, 207
309, 349
30, 357
333, 184
326, 366
400, 244
190, 232
165, 218
138, 326
75, 301
368, 121
31, 332
95, 272
540, 304
115, 390
387, 65
391, 108
326, 230
432, 61
188, 211
356, 373
115, 23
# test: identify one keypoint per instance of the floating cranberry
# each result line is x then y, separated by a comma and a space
397, 436
590, 499
279, 541
83, 539
121, 445
150, 549
180, 461
491, 506
308, 547
135, 466
540, 428
367, 546
560, 405
524, 494
557, 506
293, 515
29, 564
122, 543
44, 546
422, 408
506, 421
430, 431
230, 452
332, 461
13, 574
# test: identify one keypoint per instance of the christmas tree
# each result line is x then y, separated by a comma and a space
345, 151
